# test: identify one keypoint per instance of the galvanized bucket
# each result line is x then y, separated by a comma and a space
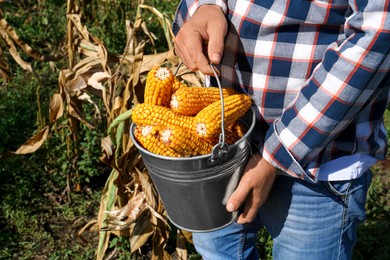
195, 189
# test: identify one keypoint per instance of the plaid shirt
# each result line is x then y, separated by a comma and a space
317, 71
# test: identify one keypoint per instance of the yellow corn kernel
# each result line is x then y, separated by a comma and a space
190, 100
230, 137
148, 137
239, 129
178, 84
207, 123
158, 87
183, 141
233, 133
149, 114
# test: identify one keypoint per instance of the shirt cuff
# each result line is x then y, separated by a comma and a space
276, 153
222, 4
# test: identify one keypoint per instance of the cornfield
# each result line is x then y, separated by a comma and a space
112, 84
90, 70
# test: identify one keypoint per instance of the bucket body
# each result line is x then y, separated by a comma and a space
193, 190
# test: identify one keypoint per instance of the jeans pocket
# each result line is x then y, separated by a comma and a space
338, 188
342, 188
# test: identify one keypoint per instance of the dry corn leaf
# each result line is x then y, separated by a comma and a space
149, 61
122, 218
76, 20
193, 78
56, 107
181, 246
86, 97
27, 49
122, 90
97, 53
118, 104
96, 79
157, 216
86, 66
91, 225
74, 111
106, 145
164, 22
160, 238
103, 54
147, 186
140, 233
75, 85
187, 235
134, 72
14, 53
87, 48
145, 29
34, 143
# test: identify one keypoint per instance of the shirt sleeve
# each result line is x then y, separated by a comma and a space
187, 8
351, 73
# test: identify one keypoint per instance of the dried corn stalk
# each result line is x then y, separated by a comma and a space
129, 205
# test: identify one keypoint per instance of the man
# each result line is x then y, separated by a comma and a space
318, 73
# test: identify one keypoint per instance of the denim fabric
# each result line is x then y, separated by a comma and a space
306, 221
235, 241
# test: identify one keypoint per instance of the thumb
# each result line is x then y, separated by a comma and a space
216, 41
215, 50
237, 198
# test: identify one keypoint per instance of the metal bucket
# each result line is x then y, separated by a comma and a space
195, 190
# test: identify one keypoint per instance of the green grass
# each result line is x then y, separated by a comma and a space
36, 221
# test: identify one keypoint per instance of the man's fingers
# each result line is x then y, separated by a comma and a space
250, 211
201, 40
198, 56
244, 193
216, 43
239, 196
253, 188
192, 54
184, 57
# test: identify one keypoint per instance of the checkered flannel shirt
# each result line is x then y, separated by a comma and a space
317, 71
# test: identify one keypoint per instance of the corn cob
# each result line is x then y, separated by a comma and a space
183, 141
238, 129
230, 137
177, 85
207, 123
158, 87
149, 114
189, 101
233, 133
148, 137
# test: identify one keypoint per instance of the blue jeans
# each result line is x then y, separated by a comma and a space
305, 220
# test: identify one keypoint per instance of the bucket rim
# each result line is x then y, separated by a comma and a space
199, 230
205, 156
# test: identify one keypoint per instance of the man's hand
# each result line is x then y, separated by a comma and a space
253, 189
201, 39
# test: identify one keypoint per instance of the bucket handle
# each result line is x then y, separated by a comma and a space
219, 152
